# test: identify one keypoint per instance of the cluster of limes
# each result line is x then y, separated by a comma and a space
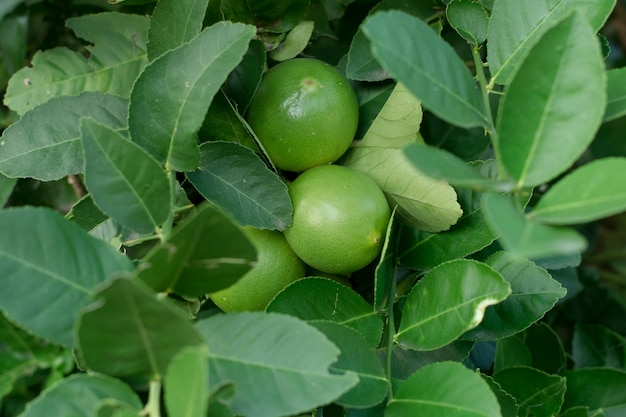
305, 115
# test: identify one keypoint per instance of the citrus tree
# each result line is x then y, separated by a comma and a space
461, 253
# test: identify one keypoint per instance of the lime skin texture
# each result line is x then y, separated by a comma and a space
340, 219
304, 113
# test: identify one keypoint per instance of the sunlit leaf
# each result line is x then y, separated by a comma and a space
235, 179
117, 56
129, 331
57, 271
173, 23
432, 71
564, 73
511, 38
124, 181
444, 388
534, 293
173, 93
587, 194
448, 301
186, 383
527, 237
45, 142
291, 357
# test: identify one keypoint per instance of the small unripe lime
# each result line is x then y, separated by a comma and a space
277, 266
304, 113
339, 220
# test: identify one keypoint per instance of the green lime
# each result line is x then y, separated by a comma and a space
339, 220
304, 113
277, 266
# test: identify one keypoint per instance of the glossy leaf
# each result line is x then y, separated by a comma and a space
597, 346
117, 56
324, 299
433, 71
600, 389
186, 383
128, 330
584, 195
124, 181
173, 23
564, 72
448, 301
360, 358
511, 352
290, 356
534, 293
169, 99
422, 202
534, 390
444, 388
616, 94
526, 237
81, 394
236, 180
512, 38
469, 19
45, 142
206, 252
69, 270
361, 64
443, 165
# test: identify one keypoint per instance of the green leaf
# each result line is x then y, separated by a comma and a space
546, 348
526, 237
422, 202
45, 142
440, 164
128, 330
563, 74
224, 123
86, 214
432, 71
206, 252
81, 395
448, 301
511, 352
361, 65
597, 346
117, 56
291, 357
172, 95
186, 383
357, 357
7, 185
511, 38
534, 293
600, 389
63, 259
444, 388
405, 362
173, 23
469, 19
243, 81
584, 195
385, 272
124, 181
534, 390
325, 299
616, 94
295, 42
235, 179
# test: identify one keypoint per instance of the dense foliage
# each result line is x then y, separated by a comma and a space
495, 129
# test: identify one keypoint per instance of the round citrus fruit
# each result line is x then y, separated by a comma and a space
339, 221
304, 113
277, 266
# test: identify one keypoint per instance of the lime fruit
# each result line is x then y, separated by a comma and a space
277, 266
339, 220
304, 113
